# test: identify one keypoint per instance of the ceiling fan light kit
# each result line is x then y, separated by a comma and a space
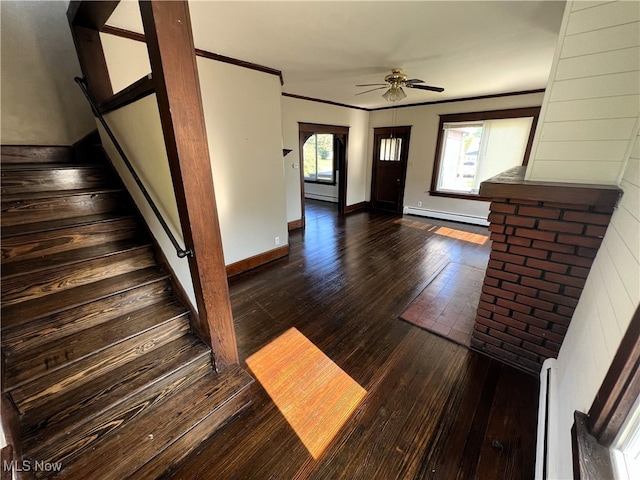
394, 94
395, 81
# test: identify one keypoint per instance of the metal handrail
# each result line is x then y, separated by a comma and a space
182, 253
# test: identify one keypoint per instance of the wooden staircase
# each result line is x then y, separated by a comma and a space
99, 361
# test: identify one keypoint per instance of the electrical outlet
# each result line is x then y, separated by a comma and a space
419, 204
277, 240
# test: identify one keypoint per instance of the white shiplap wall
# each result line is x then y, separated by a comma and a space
609, 299
592, 101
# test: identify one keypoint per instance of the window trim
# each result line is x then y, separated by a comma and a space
474, 117
611, 406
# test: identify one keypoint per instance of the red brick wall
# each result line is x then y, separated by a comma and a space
540, 257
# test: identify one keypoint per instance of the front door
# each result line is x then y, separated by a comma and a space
390, 153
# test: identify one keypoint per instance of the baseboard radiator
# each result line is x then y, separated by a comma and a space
455, 217
546, 417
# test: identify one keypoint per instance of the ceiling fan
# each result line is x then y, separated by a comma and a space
396, 80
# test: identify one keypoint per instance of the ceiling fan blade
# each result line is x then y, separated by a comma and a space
372, 90
373, 85
427, 87
414, 80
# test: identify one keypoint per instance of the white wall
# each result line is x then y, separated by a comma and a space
424, 121
127, 60
138, 130
592, 101
589, 134
245, 145
41, 104
608, 301
295, 110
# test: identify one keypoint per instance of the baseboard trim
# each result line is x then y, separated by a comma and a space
257, 260
454, 217
294, 225
356, 207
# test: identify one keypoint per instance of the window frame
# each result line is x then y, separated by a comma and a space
333, 160
610, 409
476, 117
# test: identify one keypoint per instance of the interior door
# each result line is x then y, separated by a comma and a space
390, 154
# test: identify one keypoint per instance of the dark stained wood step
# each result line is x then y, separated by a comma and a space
165, 431
76, 426
130, 297
69, 257
61, 352
34, 240
56, 279
25, 197
36, 154
48, 387
96, 397
55, 225
37, 178
57, 205
15, 315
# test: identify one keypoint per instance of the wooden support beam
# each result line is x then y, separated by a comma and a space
167, 27
92, 15
92, 62
86, 19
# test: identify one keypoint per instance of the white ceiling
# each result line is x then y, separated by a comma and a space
325, 48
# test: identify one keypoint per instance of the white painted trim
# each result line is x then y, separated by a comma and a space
455, 217
546, 420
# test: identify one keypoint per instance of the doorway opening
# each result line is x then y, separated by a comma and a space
323, 168
390, 155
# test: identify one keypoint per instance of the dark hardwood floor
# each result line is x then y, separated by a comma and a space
433, 409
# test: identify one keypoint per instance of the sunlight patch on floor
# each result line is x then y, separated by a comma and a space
315, 395
461, 235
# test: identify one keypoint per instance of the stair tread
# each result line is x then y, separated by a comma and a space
131, 376
129, 298
66, 299
46, 388
50, 225
32, 286
61, 352
26, 167
88, 408
138, 442
30, 196
69, 257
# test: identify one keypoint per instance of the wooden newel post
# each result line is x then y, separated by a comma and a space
167, 27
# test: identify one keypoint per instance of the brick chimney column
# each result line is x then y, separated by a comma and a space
545, 237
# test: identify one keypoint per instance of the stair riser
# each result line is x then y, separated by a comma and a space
16, 154
24, 247
54, 179
26, 337
46, 209
61, 353
38, 284
46, 388
71, 444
